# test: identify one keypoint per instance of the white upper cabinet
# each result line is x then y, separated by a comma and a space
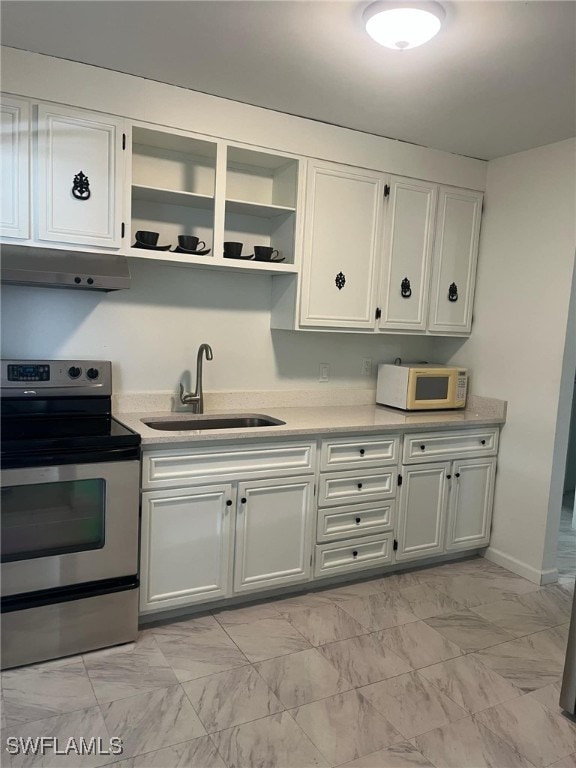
341, 246
15, 200
454, 262
408, 240
79, 171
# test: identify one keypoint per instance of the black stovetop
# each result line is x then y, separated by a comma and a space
62, 431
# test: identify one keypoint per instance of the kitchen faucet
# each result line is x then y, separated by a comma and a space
196, 398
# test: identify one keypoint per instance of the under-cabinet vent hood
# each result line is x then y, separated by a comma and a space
51, 268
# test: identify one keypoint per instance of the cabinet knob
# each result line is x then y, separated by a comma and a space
228, 503
448, 477
243, 500
354, 554
405, 289
362, 451
422, 447
358, 520
81, 187
359, 486
482, 442
457, 474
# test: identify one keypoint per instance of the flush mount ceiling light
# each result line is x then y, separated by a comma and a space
403, 25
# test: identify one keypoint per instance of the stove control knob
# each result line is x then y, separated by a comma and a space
92, 373
74, 372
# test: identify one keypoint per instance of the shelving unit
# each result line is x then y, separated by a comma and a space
261, 195
173, 186
183, 184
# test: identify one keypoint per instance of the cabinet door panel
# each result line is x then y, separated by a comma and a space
341, 243
71, 142
455, 256
273, 533
422, 511
186, 546
408, 238
471, 501
15, 200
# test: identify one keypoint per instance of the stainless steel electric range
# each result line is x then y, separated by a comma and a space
69, 514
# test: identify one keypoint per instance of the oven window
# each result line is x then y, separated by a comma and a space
432, 387
52, 518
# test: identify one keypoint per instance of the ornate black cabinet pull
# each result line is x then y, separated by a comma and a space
340, 280
81, 187
405, 289
453, 292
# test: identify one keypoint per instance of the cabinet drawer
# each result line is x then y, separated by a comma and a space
188, 466
463, 443
344, 453
353, 555
355, 520
356, 486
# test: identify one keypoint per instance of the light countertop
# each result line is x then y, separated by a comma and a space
312, 421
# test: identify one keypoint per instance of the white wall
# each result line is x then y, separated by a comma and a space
152, 331
81, 85
517, 350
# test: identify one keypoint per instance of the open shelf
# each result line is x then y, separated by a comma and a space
211, 262
172, 197
263, 210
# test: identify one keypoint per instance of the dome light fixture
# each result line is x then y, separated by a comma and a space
403, 25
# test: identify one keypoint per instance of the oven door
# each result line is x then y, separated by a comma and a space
68, 524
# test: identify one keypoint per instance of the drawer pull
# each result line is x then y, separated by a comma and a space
355, 554
457, 474
358, 520
243, 500
362, 451
448, 477
228, 503
482, 442
422, 447
359, 486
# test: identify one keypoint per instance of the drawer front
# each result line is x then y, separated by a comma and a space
353, 555
355, 520
357, 487
344, 453
189, 466
427, 446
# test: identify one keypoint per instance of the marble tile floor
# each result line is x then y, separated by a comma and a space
453, 666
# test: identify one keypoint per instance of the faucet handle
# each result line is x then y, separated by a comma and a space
183, 397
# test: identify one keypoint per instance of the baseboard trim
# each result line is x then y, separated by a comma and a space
522, 569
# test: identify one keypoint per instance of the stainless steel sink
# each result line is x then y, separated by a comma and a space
179, 423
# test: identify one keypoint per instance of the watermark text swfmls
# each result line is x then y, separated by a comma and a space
45, 745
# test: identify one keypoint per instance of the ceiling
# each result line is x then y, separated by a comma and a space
500, 77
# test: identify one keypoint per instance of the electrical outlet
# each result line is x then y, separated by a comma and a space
367, 366
324, 372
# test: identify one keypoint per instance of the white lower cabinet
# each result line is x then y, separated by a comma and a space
211, 540
471, 498
262, 527
186, 546
356, 507
274, 530
445, 507
422, 511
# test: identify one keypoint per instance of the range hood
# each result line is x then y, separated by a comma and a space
51, 268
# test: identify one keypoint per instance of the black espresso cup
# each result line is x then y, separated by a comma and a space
190, 243
233, 250
147, 238
264, 253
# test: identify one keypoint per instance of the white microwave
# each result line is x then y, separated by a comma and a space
421, 387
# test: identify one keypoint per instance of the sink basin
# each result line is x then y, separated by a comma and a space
211, 421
